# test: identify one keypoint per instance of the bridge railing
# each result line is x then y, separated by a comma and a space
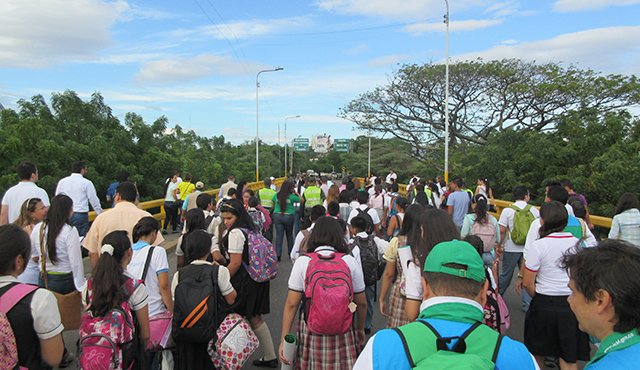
156, 206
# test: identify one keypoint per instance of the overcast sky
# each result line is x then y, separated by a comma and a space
195, 61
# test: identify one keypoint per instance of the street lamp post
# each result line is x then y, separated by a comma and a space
286, 142
257, 124
446, 98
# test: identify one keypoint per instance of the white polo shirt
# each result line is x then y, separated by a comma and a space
16, 195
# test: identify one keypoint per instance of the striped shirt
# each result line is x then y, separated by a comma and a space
626, 226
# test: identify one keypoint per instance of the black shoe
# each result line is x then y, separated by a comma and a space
279, 258
266, 363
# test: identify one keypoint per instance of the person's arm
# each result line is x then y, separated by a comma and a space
387, 278
392, 226
614, 231
218, 257
51, 350
4, 215
529, 281
75, 259
360, 300
142, 315
165, 290
93, 198
234, 263
288, 315
449, 209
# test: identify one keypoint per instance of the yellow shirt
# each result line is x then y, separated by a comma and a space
124, 216
185, 188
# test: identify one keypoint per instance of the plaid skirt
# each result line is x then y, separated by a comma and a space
325, 352
397, 313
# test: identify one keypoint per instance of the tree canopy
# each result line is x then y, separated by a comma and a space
485, 98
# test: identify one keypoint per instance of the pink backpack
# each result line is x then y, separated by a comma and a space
263, 259
8, 346
328, 294
485, 231
107, 342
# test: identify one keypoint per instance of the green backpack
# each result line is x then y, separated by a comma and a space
476, 349
521, 222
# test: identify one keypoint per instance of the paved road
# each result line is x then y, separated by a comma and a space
278, 297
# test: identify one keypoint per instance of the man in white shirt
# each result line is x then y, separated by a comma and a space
224, 188
15, 196
391, 176
82, 192
512, 252
363, 198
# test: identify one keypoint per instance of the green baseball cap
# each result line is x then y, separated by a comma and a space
460, 253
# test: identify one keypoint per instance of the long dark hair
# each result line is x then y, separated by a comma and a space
144, 227
58, 216
481, 208
327, 231
283, 195
411, 219
487, 188
108, 276
421, 196
626, 202
436, 226
14, 242
194, 220
197, 244
235, 207
554, 216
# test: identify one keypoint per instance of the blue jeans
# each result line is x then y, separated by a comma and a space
509, 262
283, 223
171, 215
59, 283
81, 222
370, 292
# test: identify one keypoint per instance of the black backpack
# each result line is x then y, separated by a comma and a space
367, 217
372, 264
197, 311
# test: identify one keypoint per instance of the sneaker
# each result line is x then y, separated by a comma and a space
266, 363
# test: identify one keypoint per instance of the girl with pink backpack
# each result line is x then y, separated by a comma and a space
331, 326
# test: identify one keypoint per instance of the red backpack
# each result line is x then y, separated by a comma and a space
328, 294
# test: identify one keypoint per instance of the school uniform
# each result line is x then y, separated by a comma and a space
325, 351
550, 327
397, 299
158, 264
66, 275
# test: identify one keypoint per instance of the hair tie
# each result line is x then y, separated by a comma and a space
107, 248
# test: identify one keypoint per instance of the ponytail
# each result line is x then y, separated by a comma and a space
108, 276
481, 208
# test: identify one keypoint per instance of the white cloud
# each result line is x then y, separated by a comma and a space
37, 33
388, 60
357, 50
184, 69
587, 5
407, 9
593, 48
245, 29
454, 26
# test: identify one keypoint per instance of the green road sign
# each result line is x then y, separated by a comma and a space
341, 145
300, 144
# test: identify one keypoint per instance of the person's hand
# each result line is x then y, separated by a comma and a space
499, 251
382, 307
283, 359
360, 337
518, 285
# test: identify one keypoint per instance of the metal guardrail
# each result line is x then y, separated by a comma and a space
604, 222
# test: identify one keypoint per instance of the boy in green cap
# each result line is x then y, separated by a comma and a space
449, 332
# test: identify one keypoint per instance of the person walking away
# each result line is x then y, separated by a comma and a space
190, 201
311, 197
224, 188
365, 211
185, 188
170, 203
450, 327
111, 190
265, 195
606, 302
551, 328
370, 249
393, 276
253, 297
329, 335
16, 195
302, 238
199, 281
568, 186
344, 200
113, 296
82, 192
283, 216
626, 223
484, 225
377, 202
458, 202
395, 222
32, 313
32, 212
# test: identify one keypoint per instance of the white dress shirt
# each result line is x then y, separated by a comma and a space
18, 194
67, 250
81, 191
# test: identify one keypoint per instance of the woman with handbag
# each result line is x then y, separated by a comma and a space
56, 244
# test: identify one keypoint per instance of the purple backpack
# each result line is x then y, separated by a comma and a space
263, 259
328, 294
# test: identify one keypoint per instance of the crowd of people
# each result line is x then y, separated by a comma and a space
437, 262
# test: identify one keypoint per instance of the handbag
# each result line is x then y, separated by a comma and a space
234, 344
70, 304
